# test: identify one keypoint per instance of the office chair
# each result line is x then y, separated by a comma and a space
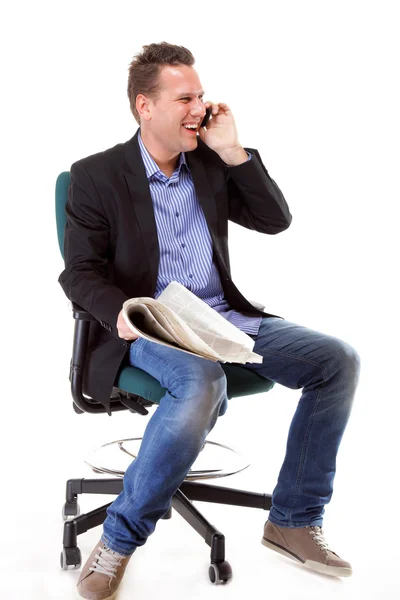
134, 390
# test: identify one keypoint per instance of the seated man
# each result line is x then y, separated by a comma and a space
153, 210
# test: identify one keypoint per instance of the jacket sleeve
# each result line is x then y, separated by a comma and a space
85, 279
255, 200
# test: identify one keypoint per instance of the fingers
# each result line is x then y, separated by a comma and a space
124, 331
214, 108
129, 337
126, 334
217, 108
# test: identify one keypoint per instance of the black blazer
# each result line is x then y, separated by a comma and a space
111, 243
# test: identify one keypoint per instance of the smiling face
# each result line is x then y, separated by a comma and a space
180, 102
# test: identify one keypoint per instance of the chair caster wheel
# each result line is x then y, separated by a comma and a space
70, 558
220, 572
72, 512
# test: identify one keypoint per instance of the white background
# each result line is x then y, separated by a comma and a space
313, 86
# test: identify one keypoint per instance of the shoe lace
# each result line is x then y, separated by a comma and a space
107, 562
318, 536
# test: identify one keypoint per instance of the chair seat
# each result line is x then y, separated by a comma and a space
240, 382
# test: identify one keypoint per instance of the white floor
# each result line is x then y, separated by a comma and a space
174, 561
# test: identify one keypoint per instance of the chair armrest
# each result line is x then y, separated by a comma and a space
81, 335
80, 313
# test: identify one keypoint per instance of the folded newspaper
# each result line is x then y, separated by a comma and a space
181, 320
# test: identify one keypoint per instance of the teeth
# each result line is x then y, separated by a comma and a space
190, 126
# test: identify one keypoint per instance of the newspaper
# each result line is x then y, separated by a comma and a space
181, 320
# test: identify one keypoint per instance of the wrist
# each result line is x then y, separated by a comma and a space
234, 156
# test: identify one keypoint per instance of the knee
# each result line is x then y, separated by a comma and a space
345, 357
204, 381
200, 396
195, 370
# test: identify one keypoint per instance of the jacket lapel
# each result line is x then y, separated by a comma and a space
139, 191
205, 194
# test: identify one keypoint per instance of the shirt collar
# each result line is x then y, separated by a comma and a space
151, 166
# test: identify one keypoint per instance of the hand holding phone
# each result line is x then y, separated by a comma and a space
221, 134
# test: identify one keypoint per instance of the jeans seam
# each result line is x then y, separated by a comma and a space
303, 453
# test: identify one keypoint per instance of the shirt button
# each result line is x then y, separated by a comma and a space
177, 214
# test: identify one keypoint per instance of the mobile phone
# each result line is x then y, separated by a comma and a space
206, 117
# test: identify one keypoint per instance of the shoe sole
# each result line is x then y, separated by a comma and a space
310, 564
112, 597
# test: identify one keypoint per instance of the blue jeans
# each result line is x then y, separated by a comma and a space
325, 367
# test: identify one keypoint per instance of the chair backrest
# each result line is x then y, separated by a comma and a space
62, 184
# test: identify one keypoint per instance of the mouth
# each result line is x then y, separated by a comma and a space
191, 128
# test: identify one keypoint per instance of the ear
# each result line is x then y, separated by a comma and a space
143, 106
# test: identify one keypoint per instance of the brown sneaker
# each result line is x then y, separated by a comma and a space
307, 546
102, 574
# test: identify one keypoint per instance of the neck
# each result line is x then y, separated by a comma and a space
166, 161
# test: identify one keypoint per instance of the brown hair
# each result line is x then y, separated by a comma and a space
145, 67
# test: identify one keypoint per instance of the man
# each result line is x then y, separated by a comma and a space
156, 209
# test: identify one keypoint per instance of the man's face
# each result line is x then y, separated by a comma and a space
180, 102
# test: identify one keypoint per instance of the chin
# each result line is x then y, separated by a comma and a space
193, 143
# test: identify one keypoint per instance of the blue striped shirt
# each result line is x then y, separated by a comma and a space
186, 252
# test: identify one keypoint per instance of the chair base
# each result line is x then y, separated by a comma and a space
182, 501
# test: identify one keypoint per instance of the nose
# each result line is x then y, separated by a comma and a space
198, 108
